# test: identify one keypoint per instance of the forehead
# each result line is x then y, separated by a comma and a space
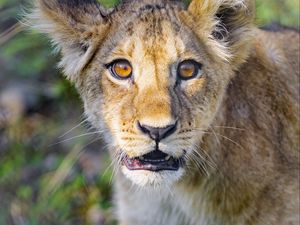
153, 20
154, 36
155, 30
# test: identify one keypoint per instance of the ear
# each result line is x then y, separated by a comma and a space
229, 22
75, 27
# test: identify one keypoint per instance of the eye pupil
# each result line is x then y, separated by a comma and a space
121, 69
188, 69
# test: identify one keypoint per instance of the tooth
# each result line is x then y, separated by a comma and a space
167, 157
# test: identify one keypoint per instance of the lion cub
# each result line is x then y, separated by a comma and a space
199, 107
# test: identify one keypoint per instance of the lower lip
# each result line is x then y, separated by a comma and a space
135, 164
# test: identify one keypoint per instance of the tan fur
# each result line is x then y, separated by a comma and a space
238, 121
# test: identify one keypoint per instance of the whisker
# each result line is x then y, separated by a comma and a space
110, 165
72, 138
233, 128
203, 162
78, 125
117, 165
209, 160
179, 138
133, 138
198, 164
223, 136
234, 142
218, 141
64, 169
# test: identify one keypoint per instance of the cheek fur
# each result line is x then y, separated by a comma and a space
194, 86
120, 110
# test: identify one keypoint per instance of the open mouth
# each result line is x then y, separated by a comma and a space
154, 161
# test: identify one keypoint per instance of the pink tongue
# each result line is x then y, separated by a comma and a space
133, 163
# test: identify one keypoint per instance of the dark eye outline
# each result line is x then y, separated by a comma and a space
110, 67
198, 68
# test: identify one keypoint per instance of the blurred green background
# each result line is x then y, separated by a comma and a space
48, 176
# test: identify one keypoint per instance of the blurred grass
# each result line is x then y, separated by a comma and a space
285, 12
65, 183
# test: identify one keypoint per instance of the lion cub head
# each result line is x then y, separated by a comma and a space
152, 73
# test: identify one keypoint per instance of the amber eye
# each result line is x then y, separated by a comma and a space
188, 69
120, 69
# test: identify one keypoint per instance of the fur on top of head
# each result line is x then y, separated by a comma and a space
77, 27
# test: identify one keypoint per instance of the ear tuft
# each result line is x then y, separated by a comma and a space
229, 22
73, 26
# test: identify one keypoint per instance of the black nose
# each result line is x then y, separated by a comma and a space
158, 133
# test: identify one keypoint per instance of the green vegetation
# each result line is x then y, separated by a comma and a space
45, 178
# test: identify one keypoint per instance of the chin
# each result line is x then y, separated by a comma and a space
153, 179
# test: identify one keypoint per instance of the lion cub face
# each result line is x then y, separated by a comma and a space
151, 74
160, 91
